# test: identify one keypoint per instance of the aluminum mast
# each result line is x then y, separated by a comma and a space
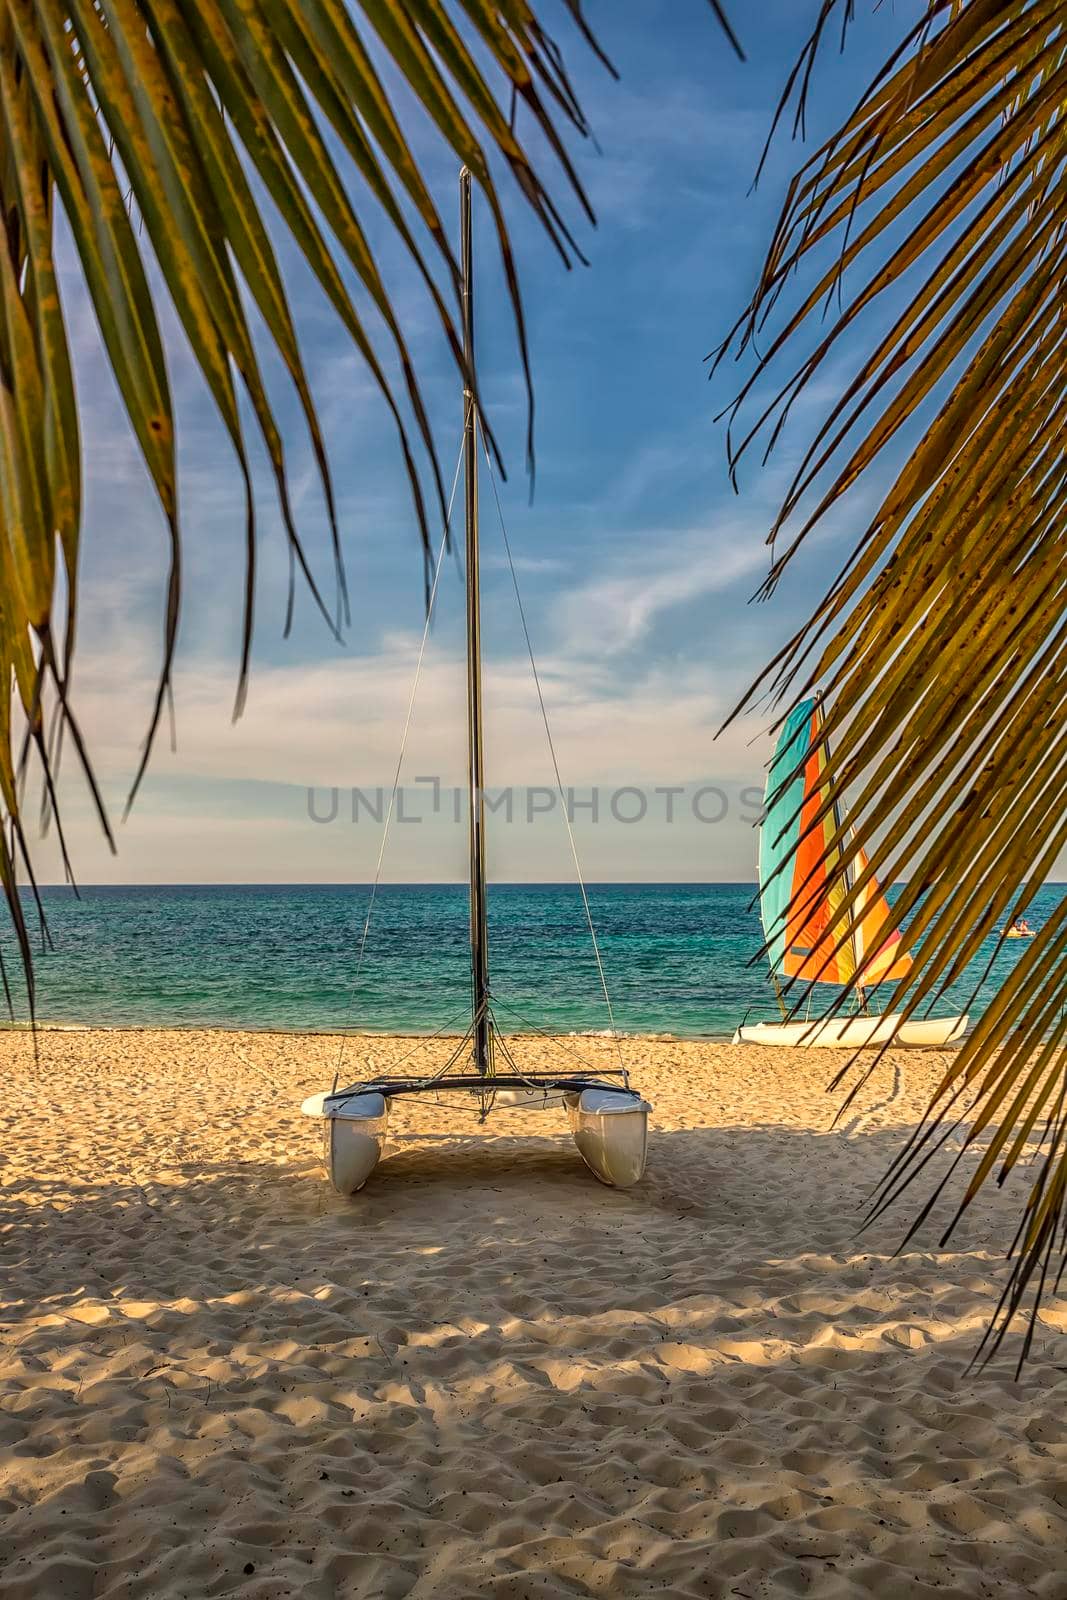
481, 1022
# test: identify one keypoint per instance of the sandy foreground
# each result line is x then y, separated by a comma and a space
487, 1374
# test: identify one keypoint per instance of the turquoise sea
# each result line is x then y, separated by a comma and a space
677, 957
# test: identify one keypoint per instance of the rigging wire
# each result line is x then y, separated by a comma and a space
399, 764
552, 753
553, 1038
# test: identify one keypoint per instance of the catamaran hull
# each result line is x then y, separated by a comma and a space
353, 1136
853, 1033
830, 1033
933, 1031
610, 1129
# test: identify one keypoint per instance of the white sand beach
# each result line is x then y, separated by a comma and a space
486, 1374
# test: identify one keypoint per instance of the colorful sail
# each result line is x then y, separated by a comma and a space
880, 958
798, 903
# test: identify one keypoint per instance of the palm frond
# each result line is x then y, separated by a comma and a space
933, 225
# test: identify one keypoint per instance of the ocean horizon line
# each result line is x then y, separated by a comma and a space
422, 883
443, 883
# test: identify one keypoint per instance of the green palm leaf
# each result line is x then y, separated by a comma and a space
940, 208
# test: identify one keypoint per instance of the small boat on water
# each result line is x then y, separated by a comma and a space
608, 1120
797, 858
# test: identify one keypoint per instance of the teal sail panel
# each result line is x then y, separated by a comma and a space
779, 835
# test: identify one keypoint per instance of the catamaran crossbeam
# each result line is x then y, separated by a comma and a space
609, 1122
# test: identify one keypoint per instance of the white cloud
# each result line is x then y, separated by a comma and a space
614, 611
338, 722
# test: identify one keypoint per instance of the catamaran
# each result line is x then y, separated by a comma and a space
798, 905
608, 1119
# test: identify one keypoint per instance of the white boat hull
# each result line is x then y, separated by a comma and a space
610, 1129
353, 1135
933, 1031
854, 1033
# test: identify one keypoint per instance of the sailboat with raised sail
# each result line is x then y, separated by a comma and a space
799, 904
608, 1119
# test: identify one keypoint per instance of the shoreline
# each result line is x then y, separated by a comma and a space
384, 1035
18, 1028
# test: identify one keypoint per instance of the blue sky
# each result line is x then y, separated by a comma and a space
636, 558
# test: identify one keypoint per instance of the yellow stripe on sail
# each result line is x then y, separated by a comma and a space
888, 960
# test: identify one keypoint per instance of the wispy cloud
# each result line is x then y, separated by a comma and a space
534, 565
658, 572
230, 802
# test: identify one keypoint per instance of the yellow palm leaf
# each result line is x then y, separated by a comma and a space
939, 210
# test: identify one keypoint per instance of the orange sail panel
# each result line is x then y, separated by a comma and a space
799, 906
